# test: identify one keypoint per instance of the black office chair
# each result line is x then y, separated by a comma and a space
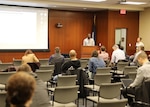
142, 95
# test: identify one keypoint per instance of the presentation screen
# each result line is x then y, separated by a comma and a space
23, 28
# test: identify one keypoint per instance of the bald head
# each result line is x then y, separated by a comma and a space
72, 53
142, 58
25, 68
115, 47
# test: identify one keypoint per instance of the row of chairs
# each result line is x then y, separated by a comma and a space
69, 81
43, 70
66, 94
55, 98
105, 93
108, 94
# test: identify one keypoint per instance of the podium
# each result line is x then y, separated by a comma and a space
86, 51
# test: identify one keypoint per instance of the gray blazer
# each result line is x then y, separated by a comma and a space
143, 73
40, 97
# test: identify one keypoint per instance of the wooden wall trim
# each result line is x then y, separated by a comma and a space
76, 26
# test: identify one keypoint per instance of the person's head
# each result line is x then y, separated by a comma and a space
29, 51
89, 36
24, 67
139, 39
72, 54
115, 47
95, 54
57, 50
103, 48
20, 88
140, 48
142, 58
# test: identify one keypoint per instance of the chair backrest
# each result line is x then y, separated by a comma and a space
128, 69
102, 78
110, 90
47, 67
83, 62
44, 61
44, 75
4, 66
34, 65
17, 62
142, 94
4, 76
57, 68
66, 94
118, 103
103, 70
132, 75
2, 98
66, 80
121, 65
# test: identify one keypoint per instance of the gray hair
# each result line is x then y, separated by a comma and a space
115, 46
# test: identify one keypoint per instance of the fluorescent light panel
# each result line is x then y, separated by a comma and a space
94, 0
133, 3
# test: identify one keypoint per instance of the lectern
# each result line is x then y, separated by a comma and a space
86, 51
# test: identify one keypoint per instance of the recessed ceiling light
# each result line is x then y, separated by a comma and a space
133, 3
94, 0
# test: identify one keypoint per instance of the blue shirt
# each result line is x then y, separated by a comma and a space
94, 63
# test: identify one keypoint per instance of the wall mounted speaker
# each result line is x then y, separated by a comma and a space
59, 25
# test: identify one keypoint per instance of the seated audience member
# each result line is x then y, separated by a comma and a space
126, 55
143, 73
29, 57
57, 57
95, 62
73, 63
138, 51
40, 97
103, 54
117, 55
20, 89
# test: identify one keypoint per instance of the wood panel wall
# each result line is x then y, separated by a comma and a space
76, 26
108, 21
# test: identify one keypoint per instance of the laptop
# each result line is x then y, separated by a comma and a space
126, 82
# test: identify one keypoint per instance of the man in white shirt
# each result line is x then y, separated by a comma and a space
139, 43
117, 54
88, 41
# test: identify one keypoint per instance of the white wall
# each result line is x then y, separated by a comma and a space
144, 28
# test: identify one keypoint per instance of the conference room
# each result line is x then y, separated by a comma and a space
43, 25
